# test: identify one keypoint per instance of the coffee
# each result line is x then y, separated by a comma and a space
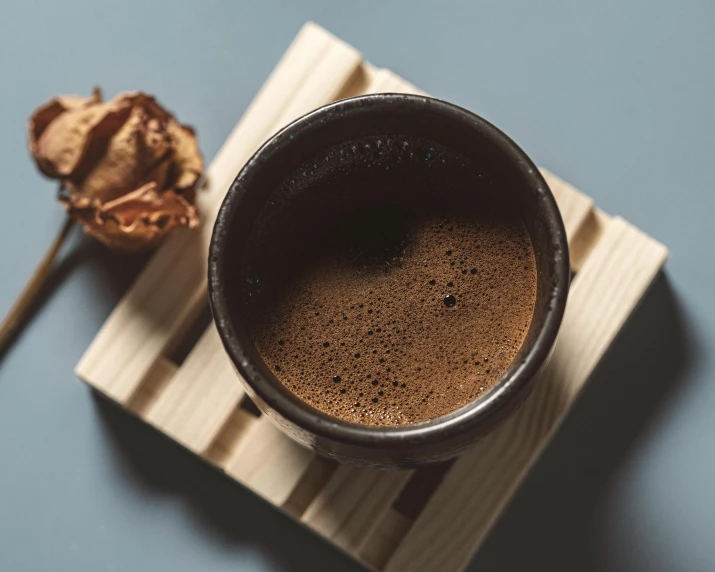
389, 281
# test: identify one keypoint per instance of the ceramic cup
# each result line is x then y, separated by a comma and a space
396, 115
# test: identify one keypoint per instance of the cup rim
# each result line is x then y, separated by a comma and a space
480, 412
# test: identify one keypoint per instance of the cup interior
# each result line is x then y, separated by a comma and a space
386, 115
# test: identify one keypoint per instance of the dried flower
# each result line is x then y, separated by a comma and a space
128, 169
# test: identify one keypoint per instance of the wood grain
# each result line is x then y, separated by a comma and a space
199, 399
382, 80
268, 462
315, 477
229, 437
381, 544
352, 503
151, 391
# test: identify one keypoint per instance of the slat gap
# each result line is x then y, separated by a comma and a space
420, 488
192, 333
313, 481
247, 405
229, 437
151, 388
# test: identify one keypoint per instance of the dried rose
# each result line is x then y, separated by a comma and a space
128, 169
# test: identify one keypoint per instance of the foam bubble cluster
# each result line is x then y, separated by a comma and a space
391, 298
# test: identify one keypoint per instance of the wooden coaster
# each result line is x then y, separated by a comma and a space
430, 519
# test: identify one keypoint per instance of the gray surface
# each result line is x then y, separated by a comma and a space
616, 97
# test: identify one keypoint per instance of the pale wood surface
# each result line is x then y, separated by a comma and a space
268, 462
351, 504
315, 477
160, 375
199, 399
197, 402
229, 437
381, 544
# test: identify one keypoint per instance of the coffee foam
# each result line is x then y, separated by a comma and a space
392, 286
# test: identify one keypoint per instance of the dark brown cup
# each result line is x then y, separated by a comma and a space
405, 115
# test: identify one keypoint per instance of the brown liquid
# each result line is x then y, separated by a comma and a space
390, 282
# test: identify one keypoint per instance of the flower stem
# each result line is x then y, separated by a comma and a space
27, 298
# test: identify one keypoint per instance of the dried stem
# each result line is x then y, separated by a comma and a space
24, 303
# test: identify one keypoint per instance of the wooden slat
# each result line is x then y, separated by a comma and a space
381, 544
198, 401
141, 326
325, 81
453, 524
229, 437
159, 377
172, 288
315, 477
380, 80
268, 462
352, 503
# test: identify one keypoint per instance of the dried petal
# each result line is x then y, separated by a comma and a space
48, 112
46, 116
134, 221
129, 167
132, 154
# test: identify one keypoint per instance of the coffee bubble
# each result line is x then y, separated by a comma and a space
395, 283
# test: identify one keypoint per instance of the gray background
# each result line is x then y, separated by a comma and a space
616, 97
